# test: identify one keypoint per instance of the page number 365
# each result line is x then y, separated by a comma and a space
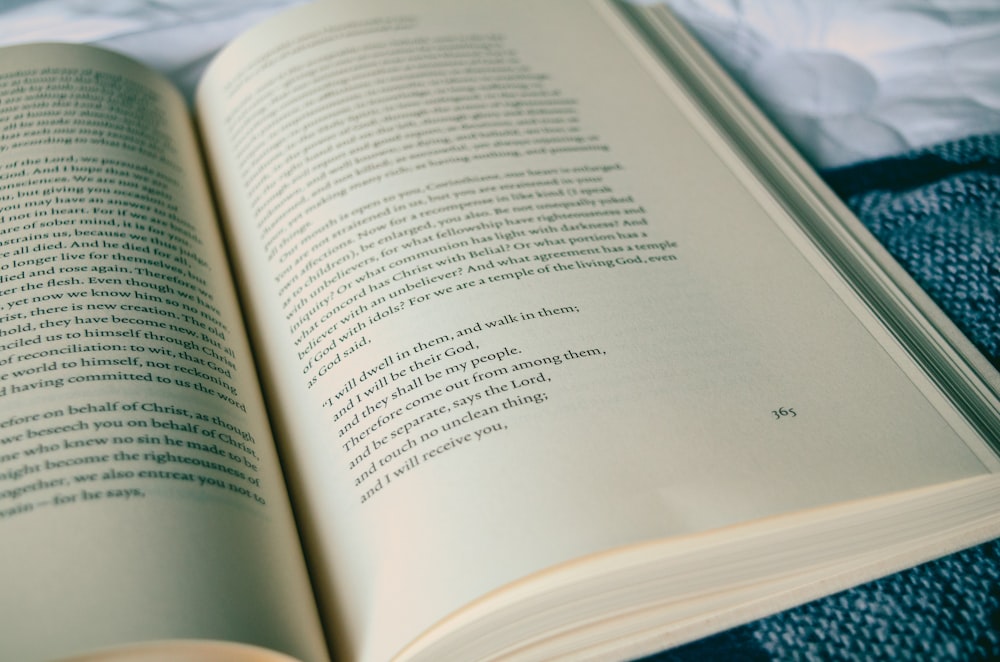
783, 412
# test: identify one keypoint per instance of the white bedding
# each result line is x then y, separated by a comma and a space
847, 80
851, 80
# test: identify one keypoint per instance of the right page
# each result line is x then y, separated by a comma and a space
517, 303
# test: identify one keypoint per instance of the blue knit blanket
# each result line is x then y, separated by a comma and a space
937, 211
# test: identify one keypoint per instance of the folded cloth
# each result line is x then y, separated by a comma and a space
854, 80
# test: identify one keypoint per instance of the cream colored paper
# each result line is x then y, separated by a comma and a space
141, 496
681, 365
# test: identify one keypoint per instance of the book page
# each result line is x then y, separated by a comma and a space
140, 493
515, 306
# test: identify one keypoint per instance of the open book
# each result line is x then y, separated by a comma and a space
448, 331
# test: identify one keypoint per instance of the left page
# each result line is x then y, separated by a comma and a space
141, 497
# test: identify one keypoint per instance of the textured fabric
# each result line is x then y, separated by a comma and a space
944, 610
937, 210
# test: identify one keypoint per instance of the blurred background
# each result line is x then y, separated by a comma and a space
847, 80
